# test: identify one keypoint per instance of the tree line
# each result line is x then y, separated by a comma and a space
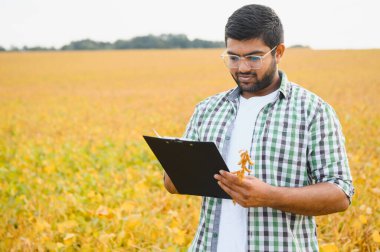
164, 41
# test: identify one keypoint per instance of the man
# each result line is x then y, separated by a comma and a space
292, 135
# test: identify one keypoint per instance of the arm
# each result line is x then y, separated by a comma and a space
317, 199
169, 184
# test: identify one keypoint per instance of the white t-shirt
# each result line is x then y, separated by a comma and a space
234, 218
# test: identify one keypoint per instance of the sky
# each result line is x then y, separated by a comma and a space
320, 24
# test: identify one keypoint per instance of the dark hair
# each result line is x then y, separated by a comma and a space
255, 21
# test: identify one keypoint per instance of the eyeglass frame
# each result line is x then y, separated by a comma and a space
246, 57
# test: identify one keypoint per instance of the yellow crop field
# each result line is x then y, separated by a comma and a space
76, 174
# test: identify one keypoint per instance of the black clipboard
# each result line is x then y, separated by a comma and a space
191, 165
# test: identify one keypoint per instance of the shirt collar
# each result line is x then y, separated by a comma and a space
284, 88
285, 85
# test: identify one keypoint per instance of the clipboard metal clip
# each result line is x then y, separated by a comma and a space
178, 140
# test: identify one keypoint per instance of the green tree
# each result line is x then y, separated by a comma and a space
87, 44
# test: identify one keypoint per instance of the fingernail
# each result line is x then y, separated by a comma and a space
221, 172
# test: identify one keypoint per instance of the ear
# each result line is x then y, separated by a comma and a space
279, 52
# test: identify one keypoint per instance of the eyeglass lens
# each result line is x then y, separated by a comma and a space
233, 61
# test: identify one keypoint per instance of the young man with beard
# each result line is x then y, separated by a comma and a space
293, 136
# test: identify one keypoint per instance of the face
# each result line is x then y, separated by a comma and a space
254, 81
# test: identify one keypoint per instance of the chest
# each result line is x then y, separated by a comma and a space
278, 137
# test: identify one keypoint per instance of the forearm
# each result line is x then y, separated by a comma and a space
317, 199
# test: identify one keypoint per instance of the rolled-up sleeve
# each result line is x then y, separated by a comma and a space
327, 157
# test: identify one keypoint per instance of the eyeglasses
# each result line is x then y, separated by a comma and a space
253, 61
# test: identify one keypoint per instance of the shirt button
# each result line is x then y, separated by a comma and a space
215, 235
228, 138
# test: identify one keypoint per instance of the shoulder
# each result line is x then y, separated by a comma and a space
308, 102
307, 97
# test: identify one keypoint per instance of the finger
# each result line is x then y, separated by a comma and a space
239, 190
230, 179
225, 181
234, 195
229, 176
218, 176
238, 196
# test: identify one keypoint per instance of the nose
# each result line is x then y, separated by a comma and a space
244, 66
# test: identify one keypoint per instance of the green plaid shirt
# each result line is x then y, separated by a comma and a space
297, 141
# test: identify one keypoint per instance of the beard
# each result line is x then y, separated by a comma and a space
261, 84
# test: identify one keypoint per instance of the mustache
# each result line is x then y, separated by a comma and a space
246, 74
